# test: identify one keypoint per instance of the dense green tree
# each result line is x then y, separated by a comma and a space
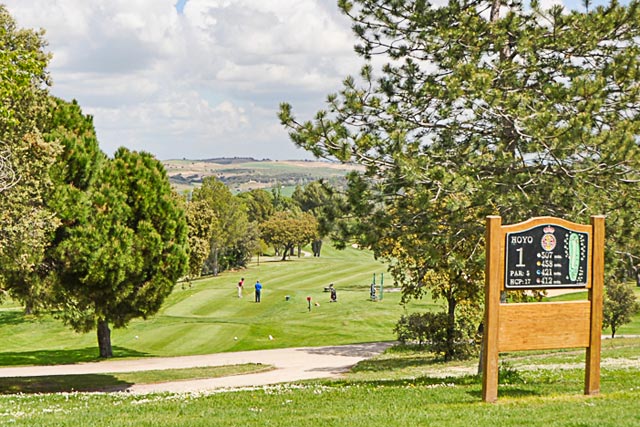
8, 176
24, 80
243, 245
218, 198
259, 204
324, 202
620, 304
201, 219
98, 245
127, 250
80, 160
26, 223
310, 197
280, 201
72, 174
229, 227
483, 108
286, 230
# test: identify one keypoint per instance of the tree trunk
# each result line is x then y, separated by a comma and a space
286, 251
316, 246
481, 360
215, 261
451, 328
104, 339
495, 10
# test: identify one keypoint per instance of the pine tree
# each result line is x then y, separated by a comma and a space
482, 108
127, 250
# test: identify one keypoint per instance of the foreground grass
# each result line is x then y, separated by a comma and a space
120, 381
437, 404
207, 317
402, 387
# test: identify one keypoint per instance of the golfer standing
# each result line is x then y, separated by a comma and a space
240, 284
258, 287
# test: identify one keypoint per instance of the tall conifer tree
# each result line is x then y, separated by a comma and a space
483, 107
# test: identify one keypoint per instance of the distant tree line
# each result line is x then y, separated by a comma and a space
226, 230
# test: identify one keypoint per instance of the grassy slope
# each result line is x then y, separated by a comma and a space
206, 317
393, 389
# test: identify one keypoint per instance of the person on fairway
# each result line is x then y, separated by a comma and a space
258, 287
240, 284
334, 295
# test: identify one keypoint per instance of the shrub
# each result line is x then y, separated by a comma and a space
429, 330
620, 304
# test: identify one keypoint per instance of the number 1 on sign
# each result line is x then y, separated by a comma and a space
520, 263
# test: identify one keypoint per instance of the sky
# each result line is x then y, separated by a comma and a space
194, 79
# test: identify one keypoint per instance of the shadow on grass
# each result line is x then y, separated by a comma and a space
504, 392
351, 350
60, 357
63, 383
474, 382
385, 365
11, 317
424, 381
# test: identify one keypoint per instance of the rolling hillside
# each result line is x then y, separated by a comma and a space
244, 174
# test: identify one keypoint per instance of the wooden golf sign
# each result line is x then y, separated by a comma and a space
543, 253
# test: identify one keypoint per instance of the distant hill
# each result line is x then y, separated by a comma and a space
246, 173
230, 160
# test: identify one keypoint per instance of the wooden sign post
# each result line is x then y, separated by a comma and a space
543, 253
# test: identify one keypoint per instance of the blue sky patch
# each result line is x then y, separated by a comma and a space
180, 5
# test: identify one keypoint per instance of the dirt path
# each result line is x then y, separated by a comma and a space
292, 364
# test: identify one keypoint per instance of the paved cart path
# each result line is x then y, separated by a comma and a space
291, 364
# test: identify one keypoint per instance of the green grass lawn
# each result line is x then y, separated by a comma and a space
207, 317
401, 387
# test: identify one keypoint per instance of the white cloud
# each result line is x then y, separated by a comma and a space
179, 118
200, 83
195, 84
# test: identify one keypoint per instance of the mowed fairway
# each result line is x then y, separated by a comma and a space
208, 317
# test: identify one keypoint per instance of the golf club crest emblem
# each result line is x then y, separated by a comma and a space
548, 240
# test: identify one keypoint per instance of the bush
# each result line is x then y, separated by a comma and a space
430, 330
620, 304
412, 328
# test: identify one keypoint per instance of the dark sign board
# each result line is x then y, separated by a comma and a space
546, 256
